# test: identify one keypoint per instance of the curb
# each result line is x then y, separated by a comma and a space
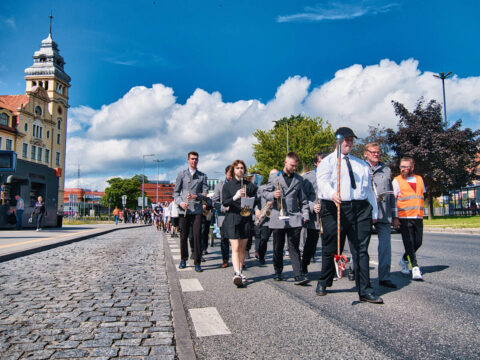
184, 343
21, 253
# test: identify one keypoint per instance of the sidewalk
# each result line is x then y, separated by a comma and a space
463, 231
16, 243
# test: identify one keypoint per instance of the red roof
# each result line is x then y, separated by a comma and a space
13, 102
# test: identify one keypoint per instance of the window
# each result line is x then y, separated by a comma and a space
59, 124
41, 132
39, 154
8, 144
57, 158
60, 110
24, 150
0, 142
47, 155
4, 119
38, 110
58, 139
48, 134
26, 127
33, 152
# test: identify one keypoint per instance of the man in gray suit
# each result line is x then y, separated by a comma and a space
312, 227
190, 188
289, 212
221, 212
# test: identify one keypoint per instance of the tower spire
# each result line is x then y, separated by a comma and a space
51, 18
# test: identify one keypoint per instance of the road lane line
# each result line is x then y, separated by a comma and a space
373, 262
42, 239
176, 257
208, 322
175, 250
190, 285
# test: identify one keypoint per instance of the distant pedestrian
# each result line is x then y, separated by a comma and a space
409, 191
19, 208
39, 212
116, 213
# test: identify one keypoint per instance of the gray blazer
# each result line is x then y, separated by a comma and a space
217, 203
382, 178
185, 184
310, 189
294, 201
261, 202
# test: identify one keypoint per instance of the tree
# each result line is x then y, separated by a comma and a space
306, 136
444, 157
376, 134
118, 187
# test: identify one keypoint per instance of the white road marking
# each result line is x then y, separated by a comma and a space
188, 268
175, 250
208, 322
190, 285
176, 257
373, 262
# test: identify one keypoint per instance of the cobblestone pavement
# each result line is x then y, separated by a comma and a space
102, 298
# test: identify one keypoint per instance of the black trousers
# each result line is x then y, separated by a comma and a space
356, 223
293, 240
412, 236
225, 248
193, 221
310, 247
262, 234
205, 231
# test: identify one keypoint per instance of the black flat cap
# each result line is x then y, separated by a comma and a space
345, 132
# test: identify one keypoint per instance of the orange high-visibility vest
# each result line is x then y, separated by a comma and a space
409, 202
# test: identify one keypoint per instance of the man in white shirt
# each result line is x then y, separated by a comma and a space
358, 209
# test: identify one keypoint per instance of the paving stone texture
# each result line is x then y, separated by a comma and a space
102, 298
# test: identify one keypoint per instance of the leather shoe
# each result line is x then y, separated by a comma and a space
300, 280
351, 275
198, 268
277, 277
261, 261
225, 264
321, 290
371, 298
182, 264
387, 283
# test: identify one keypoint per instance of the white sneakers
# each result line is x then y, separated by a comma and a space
416, 273
404, 265
237, 280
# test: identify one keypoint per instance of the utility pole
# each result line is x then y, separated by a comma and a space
158, 175
143, 178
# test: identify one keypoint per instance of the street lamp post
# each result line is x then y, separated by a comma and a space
444, 76
143, 178
158, 173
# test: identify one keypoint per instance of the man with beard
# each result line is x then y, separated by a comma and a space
409, 189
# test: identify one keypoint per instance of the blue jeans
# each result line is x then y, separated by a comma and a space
18, 226
384, 250
115, 218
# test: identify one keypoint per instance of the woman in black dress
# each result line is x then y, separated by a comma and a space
235, 226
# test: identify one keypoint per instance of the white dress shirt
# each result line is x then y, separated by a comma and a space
327, 181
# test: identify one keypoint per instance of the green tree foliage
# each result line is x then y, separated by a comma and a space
118, 187
306, 136
444, 157
376, 134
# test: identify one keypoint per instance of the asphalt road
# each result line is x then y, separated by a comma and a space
434, 319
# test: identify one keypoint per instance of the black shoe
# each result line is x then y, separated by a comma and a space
205, 252
351, 275
277, 277
261, 261
256, 256
198, 268
182, 265
301, 280
304, 271
203, 259
387, 283
371, 298
321, 290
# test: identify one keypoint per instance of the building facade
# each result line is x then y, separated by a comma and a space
34, 124
79, 202
165, 192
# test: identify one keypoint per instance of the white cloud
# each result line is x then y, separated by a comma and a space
149, 120
9, 22
337, 11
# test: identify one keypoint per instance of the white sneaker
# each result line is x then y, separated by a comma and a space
404, 265
237, 280
416, 273
244, 278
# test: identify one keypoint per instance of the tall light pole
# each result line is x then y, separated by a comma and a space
158, 173
444, 76
143, 177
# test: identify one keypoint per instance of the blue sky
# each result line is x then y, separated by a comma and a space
256, 60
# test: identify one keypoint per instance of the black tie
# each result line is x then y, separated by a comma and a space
350, 172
